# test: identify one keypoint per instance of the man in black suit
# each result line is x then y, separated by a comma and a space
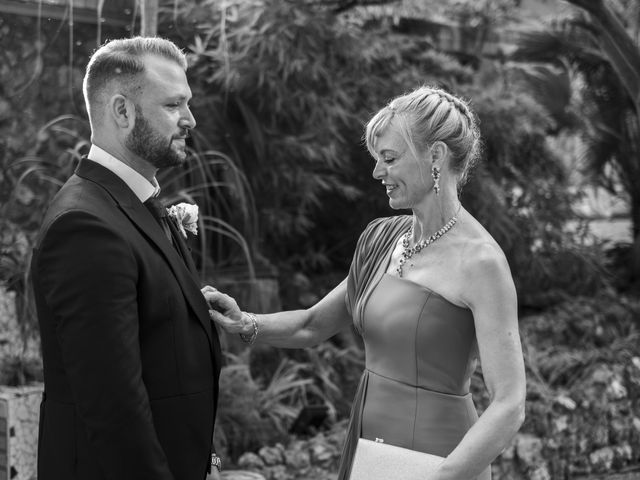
131, 361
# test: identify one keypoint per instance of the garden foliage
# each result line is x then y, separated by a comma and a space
589, 84
282, 91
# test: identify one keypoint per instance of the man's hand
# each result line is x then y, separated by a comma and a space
225, 312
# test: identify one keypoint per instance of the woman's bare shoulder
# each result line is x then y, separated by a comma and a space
484, 265
478, 245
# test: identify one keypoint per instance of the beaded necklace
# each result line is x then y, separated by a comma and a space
409, 252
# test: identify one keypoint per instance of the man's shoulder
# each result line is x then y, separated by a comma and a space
76, 192
78, 195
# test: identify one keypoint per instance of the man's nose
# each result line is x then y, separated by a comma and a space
187, 120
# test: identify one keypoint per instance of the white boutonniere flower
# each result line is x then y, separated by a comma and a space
186, 217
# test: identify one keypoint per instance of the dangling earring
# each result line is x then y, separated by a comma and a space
435, 173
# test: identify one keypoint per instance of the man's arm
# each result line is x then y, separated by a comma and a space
87, 274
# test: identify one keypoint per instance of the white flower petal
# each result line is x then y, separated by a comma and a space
185, 216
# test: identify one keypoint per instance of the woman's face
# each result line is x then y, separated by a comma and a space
407, 179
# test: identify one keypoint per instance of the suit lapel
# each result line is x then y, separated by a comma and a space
181, 246
144, 221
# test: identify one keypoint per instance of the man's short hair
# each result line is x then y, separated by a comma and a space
122, 61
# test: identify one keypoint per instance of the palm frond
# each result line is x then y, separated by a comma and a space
562, 40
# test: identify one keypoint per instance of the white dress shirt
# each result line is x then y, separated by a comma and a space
143, 188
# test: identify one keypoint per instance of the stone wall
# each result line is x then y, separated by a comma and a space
19, 414
9, 332
20, 357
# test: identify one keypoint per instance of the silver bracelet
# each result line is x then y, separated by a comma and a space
215, 462
251, 338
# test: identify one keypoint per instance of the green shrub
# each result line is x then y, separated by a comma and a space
583, 369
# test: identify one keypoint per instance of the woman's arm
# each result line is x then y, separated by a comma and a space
291, 329
491, 296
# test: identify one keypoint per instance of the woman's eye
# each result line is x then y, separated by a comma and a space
388, 159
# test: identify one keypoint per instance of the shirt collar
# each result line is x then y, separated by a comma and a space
141, 187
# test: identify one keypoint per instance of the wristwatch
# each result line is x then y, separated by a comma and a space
215, 462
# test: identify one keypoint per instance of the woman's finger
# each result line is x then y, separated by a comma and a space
225, 322
220, 300
218, 318
213, 297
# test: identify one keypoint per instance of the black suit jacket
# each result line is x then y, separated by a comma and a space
131, 361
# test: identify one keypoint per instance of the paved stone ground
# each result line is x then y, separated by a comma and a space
611, 229
614, 229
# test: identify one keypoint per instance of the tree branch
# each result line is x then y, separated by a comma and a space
617, 44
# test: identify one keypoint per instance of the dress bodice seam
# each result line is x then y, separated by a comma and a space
415, 370
417, 387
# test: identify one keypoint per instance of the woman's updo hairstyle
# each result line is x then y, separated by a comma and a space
428, 115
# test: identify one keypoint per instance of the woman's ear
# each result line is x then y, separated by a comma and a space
439, 152
122, 110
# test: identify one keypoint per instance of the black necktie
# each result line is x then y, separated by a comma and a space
159, 212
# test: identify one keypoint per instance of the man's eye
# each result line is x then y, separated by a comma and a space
388, 159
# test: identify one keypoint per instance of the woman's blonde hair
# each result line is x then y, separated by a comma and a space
428, 115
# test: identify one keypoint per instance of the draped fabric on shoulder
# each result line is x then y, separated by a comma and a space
370, 262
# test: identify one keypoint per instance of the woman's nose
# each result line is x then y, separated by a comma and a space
379, 171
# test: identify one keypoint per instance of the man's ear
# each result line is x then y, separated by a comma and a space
439, 152
122, 110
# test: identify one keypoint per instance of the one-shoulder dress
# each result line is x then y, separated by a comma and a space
419, 355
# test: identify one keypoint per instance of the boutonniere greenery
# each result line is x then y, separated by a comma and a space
186, 217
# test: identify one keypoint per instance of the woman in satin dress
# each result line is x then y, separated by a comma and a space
431, 294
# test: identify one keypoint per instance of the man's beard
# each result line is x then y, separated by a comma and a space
150, 145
